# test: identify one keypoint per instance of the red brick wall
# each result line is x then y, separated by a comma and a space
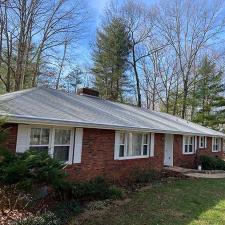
190, 161
98, 157
10, 142
208, 150
179, 159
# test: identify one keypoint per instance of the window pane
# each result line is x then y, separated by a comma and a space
40, 148
191, 140
45, 136
202, 142
62, 137
122, 138
35, 137
190, 148
145, 149
135, 142
121, 153
145, 138
61, 153
186, 140
186, 148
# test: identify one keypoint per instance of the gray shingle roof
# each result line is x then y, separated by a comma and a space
48, 106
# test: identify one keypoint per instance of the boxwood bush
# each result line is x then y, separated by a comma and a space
211, 163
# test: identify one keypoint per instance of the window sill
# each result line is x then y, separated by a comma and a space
188, 153
215, 150
134, 157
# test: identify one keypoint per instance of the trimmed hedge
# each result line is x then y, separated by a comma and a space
211, 163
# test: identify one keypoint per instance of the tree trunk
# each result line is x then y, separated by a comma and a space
184, 103
137, 78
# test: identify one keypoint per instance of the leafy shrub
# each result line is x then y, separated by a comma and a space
143, 176
29, 169
66, 209
44, 219
97, 189
211, 163
3, 131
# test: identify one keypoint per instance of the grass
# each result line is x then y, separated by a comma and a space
182, 202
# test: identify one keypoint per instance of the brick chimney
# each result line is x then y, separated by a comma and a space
88, 91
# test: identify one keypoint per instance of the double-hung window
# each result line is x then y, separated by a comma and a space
133, 145
188, 144
202, 142
40, 139
216, 143
145, 143
55, 141
122, 146
62, 139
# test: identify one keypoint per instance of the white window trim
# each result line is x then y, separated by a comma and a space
51, 140
194, 147
204, 142
150, 150
219, 144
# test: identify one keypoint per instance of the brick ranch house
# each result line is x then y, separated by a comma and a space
99, 137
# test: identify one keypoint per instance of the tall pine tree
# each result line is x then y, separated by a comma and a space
209, 96
110, 60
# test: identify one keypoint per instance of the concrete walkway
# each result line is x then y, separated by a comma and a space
196, 173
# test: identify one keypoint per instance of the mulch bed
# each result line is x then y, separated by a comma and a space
13, 216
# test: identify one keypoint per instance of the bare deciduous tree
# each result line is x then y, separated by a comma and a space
32, 34
189, 29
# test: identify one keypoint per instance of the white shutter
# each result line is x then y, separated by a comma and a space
23, 138
78, 145
117, 145
71, 150
196, 143
183, 144
205, 142
213, 143
152, 148
220, 144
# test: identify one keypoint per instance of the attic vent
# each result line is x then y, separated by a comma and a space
88, 91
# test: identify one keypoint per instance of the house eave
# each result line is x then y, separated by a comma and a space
60, 122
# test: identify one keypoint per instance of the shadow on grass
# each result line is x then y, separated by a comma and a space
183, 202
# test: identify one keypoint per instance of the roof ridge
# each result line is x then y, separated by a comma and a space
16, 94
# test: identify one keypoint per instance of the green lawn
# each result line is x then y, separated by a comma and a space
183, 202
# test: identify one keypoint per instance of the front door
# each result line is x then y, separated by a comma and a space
168, 152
